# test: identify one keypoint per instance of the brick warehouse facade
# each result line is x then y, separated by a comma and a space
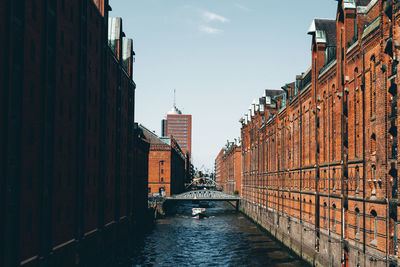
167, 165
320, 157
68, 186
228, 168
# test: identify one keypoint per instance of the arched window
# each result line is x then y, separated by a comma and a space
357, 179
334, 217
373, 86
374, 227
357, 234
325, 215
310, 212
373, 144
334, 180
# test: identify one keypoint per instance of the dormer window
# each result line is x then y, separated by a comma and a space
320, 36
330, 54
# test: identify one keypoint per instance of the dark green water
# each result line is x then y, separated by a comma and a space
225, 238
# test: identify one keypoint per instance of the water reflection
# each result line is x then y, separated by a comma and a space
225, 238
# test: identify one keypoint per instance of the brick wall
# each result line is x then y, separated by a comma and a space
321, 172
65, 121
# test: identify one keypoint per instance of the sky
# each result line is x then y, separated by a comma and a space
219, 55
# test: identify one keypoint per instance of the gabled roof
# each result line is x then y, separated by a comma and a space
363, 2
152, 137
325, 30
273, 92
351, 4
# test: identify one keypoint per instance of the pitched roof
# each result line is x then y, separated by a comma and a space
363, 2
152, 137
328, 26
273, 92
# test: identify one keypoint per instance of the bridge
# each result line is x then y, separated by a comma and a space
203, 182
205, 195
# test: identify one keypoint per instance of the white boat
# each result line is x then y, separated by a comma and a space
198, 213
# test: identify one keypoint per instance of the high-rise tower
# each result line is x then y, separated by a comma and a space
179, 126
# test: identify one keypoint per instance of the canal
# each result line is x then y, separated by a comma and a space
224, 238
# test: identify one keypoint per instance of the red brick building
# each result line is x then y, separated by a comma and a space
141, 175
66, 132
219, 168
320, 159
179, 126
166, 165
228, 168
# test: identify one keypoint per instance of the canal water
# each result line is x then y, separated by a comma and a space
224, 238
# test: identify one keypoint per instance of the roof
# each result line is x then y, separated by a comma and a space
363, 2
127, 48
325, 30
114, 28
152, 137
273, 92
352, 4
174, 111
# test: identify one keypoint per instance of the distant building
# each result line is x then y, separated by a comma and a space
166, 165
164, 127
180, 127
219, 167
141, 150
228, 168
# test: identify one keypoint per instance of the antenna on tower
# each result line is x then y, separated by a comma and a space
174, 98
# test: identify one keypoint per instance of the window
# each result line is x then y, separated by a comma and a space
373, 143
334, 217
162, 171
149, 190
357, 179
374, 227
372, 87
326, 215
162, 179
357, 236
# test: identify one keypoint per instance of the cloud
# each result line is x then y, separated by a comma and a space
209, 30
209, 16
242, 7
